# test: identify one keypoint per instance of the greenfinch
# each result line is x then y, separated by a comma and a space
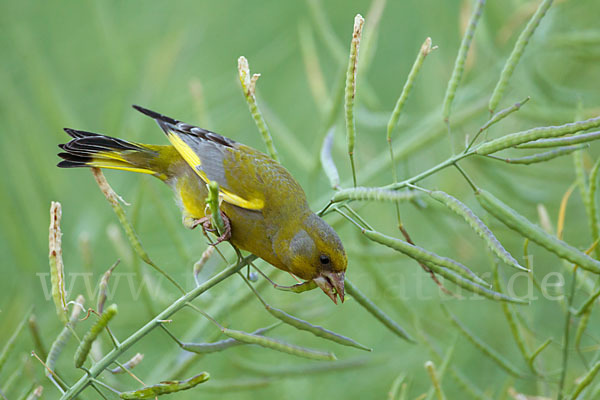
266, 209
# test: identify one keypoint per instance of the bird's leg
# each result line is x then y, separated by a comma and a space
206, 223
226, 235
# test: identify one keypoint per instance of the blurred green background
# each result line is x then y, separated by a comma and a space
82, 64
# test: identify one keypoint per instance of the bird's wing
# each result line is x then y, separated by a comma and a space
207, 152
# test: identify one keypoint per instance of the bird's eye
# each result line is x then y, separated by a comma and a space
324, 259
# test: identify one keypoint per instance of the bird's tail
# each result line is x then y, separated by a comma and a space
88, 149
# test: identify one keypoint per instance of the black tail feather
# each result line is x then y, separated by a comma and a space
155, 115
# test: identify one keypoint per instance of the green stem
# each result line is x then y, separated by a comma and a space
449, 162
102, 364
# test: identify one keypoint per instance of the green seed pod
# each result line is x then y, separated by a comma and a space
515, 139
278, 345
376, 194
249, 88
57, 268
435, 380
350, 90
585, 381
471, 286
459, 64
541, 157
520, 224
422, 255
64, 336
410, 80
166, 387
478, 226
203, 348
213, 202
104, 287
561, 141
314, 329
130, 364
516, 53
376, 311
298, 287
86, 344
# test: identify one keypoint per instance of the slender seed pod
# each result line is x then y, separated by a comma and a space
410, 80
327, 160
130, 364
471, 286
103, 287
314, 329
376, 311
561, 141
203, 348
278, 345
499, 116
541, 157
57, 268
520, 224
478, 226
372, 193
459, 64
482, 346
167, 387
517, 138
351, 88
86, 344
435, 380
249, 88
213, 202
198, 265
298, 288
64, 336
34, 329
585, 381
422, 255
516, 53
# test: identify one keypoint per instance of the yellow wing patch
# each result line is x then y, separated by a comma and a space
194, 161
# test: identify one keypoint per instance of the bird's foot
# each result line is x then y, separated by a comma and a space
207, 226
226, 235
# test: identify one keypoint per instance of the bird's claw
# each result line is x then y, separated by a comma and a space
206, 224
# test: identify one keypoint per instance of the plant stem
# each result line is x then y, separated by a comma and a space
102, 364
450, 161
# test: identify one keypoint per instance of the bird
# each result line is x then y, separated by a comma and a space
265, 207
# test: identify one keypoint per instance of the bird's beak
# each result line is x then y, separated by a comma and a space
332, 283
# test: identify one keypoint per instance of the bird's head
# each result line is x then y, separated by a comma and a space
315, 252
